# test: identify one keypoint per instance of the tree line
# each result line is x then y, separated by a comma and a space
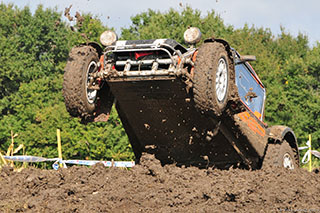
34, 48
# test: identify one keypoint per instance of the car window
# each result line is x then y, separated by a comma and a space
250, 91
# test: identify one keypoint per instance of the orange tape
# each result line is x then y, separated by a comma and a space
194, 57
101, 62
252, 123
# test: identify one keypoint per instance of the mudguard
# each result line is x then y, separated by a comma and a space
96, 46
279, 133
224, 42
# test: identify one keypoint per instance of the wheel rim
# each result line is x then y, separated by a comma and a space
288, 161
221, 80
91, 93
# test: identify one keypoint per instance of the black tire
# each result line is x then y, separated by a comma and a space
206, 96
75, 81
278, 155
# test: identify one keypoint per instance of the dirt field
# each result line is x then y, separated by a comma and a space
149, 187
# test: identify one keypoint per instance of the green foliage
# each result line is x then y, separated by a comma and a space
33, 50
33, 53
172, 24
89, 28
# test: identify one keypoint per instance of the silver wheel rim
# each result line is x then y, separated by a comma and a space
91, 93
287, 161
221, 80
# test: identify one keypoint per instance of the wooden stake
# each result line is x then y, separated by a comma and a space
310, 155
59, 145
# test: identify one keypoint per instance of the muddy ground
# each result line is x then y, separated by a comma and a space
149, 187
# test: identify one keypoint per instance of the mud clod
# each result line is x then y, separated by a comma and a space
67, 13
147, 126
80, 19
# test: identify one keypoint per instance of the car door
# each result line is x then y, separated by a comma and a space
250, 89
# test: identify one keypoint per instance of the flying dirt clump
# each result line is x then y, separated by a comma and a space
78, 16
80, 19
67, 13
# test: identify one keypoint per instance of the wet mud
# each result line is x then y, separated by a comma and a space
150, 187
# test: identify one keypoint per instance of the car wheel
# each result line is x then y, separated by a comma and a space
212, 78
79, 99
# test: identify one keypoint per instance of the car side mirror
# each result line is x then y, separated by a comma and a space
247, 58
